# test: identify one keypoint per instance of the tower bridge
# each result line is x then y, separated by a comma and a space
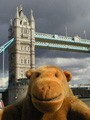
21, 47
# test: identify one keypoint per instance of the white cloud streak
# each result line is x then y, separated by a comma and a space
4, 82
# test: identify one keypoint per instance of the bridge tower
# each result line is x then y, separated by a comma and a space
22, 51
21, 54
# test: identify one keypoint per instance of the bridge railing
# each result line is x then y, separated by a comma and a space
85, 41
63, 46
53, 36
43, 35
60, 38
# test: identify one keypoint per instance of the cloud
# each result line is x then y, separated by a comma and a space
3, 34
58, 53
4, 82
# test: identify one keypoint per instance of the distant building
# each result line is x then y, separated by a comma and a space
81, 91
81, 86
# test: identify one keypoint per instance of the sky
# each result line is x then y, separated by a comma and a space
51, 16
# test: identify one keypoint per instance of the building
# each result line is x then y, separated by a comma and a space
21, 55
22, 50
81, 91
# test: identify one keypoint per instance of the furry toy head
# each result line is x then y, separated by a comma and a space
48, 87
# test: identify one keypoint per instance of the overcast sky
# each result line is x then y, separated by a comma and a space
51, 16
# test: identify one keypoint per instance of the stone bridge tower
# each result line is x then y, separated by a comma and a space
22, 50
21, 55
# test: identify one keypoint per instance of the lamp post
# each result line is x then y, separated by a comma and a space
3, 63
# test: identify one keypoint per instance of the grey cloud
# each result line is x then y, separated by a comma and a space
57, 53
69, 63
3, 34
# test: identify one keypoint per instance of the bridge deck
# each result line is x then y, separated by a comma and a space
57, 42
56, 38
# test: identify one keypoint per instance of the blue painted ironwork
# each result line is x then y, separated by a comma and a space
52, 39
6, 45
62, 42
59, 38
61, 46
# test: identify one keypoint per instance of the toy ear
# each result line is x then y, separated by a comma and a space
29, 73
68, 75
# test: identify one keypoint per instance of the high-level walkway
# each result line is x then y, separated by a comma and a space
57, 42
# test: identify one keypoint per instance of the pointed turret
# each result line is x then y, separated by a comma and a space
32, 21
10, 24
17, 14
16, 24
17, 19
32, 41
31, 16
